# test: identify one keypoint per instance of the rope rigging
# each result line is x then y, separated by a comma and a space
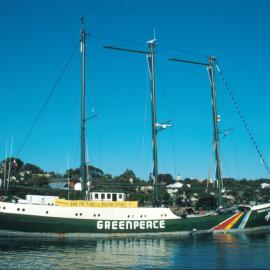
243, 120
47, 100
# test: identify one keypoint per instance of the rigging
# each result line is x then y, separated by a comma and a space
243, 120
46, 101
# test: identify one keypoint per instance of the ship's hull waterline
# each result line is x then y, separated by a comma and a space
73, 221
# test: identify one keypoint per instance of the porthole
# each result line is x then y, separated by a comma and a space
145, 216
165, 215
161, 215
128, 216
47, 212
80, 214
23, 209
141, 216
94, 215
18, 209
98, 215
76, 214
4, 207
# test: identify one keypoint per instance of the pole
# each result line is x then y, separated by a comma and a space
83, 38
151, 45
215, 123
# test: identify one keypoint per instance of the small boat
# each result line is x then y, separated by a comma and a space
108, 213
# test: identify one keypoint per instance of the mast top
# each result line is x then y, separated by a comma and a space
82, 24
212, 60
152, 42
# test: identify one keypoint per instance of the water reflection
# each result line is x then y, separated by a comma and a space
224, 251
108, 253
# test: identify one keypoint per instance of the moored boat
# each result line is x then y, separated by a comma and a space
117, 217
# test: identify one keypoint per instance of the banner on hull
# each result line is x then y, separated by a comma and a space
99, 204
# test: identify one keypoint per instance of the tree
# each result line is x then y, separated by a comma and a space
15, 164
37, 181
207, 201
126, 177
93, 172
166, 179
34, 169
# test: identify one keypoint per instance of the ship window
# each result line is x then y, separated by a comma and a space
94, 215
23, 209
96, 195
128, 216
80, 214
141, 216
4, 207
76, 214
102, 196
108, 196
47, 212
98, 215
120, 196
18, 209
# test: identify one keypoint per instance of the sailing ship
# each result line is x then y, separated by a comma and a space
108, 213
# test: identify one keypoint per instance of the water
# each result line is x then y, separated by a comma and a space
225, 251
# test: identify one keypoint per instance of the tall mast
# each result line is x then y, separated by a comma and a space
82, 169
211, 61
210, 66
151, 45
150, 56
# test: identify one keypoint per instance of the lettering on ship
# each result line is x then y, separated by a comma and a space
130, 225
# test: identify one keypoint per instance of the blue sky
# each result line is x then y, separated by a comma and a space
37, 37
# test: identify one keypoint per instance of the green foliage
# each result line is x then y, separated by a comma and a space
36, 181
207, 201
126, 177
34, 169
15, 165
165, 179
93, 172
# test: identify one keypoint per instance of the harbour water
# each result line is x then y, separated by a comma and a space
224, 251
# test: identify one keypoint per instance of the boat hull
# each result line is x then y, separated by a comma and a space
29, 223
56, 220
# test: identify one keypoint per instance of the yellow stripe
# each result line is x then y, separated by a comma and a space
229, 226
124, 204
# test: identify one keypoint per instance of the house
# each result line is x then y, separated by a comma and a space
265, 185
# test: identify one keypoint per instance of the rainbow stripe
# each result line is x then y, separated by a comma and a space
229, 223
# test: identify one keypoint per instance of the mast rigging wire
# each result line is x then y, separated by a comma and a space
243, 120
47, 100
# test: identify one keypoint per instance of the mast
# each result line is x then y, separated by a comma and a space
82, 168
151, 45
210, 66
211, 61
150, 57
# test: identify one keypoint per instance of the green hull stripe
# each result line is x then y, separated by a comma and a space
27, 223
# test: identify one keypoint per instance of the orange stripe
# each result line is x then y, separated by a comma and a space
234, 221
226, 224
